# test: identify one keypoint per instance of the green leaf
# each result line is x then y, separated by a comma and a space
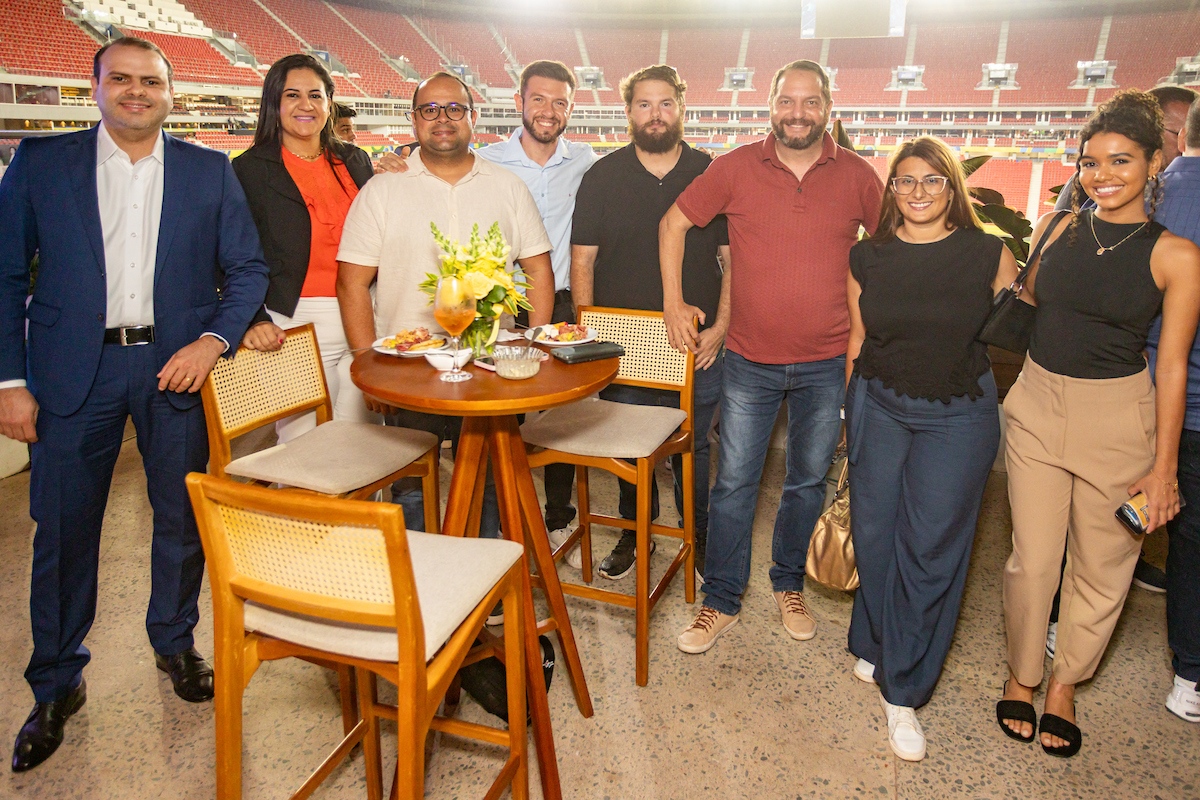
1020, 250
986, 196
495, 295
840, 136
969, 165
1011, 222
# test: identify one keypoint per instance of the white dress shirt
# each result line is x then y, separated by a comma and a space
130, 197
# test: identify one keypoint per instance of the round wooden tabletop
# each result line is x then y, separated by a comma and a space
414, 384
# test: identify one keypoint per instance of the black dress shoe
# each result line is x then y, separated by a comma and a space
191, 675
42, 733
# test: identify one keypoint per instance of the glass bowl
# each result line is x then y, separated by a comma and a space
517, 363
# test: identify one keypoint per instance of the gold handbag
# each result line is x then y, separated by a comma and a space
831, 551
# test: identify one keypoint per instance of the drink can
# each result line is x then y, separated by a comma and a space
1135, 513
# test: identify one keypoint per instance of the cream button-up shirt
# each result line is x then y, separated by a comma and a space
388, 227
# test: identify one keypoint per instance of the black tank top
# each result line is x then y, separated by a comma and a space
1094, 311
922, 305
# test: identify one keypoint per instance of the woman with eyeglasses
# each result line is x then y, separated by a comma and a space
1087, 427
300, 180
922, 424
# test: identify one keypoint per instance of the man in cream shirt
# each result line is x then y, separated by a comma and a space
387, 241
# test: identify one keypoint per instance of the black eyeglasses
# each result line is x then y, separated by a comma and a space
934, 184
431, 111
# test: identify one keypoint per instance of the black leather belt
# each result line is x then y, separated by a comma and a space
142, 334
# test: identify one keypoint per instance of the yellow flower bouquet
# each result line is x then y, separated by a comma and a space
483, 266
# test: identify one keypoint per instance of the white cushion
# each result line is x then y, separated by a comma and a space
604, 429
336, 457
452, 575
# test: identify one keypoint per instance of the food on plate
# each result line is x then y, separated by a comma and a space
563, 332
413, 341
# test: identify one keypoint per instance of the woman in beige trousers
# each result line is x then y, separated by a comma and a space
1086, 428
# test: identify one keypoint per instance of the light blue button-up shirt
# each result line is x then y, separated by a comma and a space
1180, 214
553, 187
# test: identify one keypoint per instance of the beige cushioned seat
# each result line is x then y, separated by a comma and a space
603, 428
336, 457
452, 576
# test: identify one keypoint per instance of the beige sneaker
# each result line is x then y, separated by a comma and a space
796, 620
702, 634
574, 557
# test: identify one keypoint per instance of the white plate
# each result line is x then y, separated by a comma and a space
591, 337
378, 347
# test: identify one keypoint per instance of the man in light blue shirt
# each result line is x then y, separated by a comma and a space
552, 168
1179, 211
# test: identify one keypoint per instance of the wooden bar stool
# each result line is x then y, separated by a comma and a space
608, 436
342, 581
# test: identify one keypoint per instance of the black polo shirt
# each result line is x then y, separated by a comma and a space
618, 208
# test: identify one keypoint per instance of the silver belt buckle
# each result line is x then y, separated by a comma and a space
125, 337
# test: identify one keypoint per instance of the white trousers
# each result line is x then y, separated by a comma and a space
346, 398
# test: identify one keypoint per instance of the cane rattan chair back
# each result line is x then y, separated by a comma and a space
342, 582
649, 359
628, 441
341, 458
256, 388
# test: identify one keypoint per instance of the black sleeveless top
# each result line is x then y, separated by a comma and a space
1094, 311
922, 306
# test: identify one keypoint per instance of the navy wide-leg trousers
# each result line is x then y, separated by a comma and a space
917, 474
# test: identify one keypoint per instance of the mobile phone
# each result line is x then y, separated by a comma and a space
485, 362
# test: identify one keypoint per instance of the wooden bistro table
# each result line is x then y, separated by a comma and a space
489, 405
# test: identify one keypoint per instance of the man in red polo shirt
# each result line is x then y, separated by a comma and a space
795, 203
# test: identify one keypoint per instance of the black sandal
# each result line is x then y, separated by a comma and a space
1068, 731
1020, 711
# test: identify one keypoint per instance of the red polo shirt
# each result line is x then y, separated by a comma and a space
790, 243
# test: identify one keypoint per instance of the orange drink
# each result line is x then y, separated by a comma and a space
454, 319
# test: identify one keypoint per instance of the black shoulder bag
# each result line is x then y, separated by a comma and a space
1009, 324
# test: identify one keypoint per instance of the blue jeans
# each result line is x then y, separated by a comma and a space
751, 396
407, 492
917, 473
706, 397
1183, 565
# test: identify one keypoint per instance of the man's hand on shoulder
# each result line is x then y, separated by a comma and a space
18, 414
391, 162
187, 370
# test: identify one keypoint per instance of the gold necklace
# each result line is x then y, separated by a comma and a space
1103, 249
320, 153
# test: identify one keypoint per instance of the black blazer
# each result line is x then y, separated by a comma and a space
282, 218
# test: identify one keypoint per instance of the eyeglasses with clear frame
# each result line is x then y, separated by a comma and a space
431, 111
933, 184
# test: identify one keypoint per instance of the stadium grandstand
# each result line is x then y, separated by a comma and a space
1012, 79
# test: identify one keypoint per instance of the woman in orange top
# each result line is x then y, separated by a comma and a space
300, 180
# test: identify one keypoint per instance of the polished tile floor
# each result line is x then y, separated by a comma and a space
759, 716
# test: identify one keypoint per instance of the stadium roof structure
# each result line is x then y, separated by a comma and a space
714, 12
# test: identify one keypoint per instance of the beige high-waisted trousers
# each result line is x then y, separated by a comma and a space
1073, 448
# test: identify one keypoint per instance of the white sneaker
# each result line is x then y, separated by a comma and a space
1051, 639
904, 732
865, 671
1184, 700
574, 557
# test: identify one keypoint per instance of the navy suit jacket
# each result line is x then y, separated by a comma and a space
209, 275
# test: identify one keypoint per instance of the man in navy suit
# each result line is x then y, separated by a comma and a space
149, 268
